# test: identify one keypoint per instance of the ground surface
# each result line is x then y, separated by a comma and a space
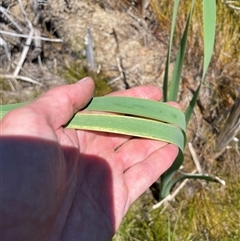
124, 41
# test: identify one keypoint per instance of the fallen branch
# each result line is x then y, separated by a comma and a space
33, 37
122, 72
27, 44
4, 45
194, 157
8, 76
3, 10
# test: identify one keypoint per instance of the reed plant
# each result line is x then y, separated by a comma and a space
207, 213
135, 117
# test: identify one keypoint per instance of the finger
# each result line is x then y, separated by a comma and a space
142, 175
136, 150
174, 104
59, 104
145, 92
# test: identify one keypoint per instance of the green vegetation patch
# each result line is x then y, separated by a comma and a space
210, 214
77, 71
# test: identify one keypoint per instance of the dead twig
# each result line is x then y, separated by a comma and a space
4, 45
37, 46
170, 197
8, 76
33, 37
236, 140
195, 158
89, 45
5, 13
27, 44
198, 169
122, 72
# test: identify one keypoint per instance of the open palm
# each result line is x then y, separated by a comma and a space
63, 184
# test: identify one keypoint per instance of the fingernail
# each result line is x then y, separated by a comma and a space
82, 80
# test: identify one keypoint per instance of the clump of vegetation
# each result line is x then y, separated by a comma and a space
77, 71
227, 48
205, 214
4, 85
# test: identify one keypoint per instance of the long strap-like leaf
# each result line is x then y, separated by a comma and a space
139, 107
165, 79
135, 117
175, 81
127, 125
209, 22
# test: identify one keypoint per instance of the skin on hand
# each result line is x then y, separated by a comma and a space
65, 184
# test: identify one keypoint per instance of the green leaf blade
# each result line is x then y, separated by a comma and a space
175, 82
139, 107
165, 79
209, 23
167, 176
199, 176
126, 125
4, 109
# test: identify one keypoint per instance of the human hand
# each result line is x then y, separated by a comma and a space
65, 184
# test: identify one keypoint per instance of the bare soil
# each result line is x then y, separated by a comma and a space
124, 40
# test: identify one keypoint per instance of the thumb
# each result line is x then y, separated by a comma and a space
59, 104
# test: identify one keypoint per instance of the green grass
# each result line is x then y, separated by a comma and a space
227, 48
77, 71
211, 213
72, 74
